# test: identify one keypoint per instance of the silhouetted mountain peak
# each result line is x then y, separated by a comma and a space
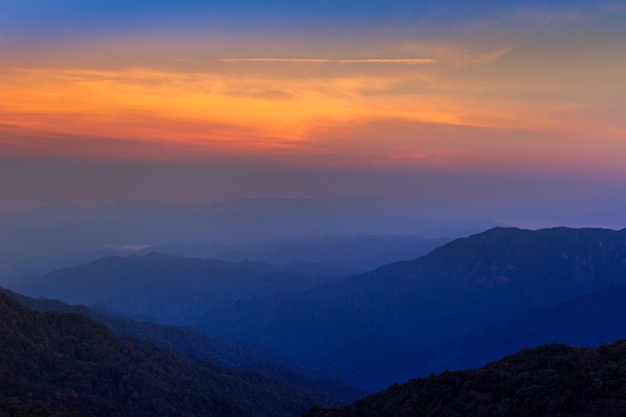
512, 252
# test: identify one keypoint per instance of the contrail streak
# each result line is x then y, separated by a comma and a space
402, 61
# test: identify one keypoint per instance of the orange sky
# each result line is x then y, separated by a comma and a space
199, 113
522, 89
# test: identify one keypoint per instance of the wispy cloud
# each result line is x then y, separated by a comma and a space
401, 61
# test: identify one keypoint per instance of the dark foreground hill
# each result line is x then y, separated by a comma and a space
552, 380
65, 364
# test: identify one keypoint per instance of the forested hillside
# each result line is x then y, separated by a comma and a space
66, 364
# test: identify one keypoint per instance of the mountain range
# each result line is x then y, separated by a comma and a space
466, 303
417, 306
64, 364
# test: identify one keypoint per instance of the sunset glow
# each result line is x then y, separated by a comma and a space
539, 86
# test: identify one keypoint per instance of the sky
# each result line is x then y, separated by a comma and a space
511, 103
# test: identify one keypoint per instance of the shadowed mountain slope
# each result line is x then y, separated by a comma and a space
552, 380
588, 320
462, 286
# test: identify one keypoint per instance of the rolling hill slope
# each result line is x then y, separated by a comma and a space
177, 340
62, 363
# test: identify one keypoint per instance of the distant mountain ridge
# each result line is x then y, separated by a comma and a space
337, 256
165, 288
39, 240
175, 288
238, 220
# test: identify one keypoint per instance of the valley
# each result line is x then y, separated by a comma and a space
464, 305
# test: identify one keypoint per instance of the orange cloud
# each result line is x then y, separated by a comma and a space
368, 111
188, 109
